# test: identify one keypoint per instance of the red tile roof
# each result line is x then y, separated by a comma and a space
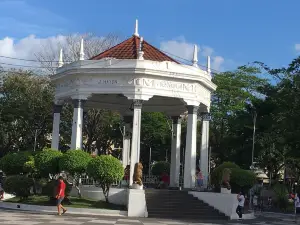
128, 49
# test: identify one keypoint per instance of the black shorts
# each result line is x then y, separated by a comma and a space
298, 210
59, 200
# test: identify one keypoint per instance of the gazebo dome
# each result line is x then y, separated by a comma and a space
129, 49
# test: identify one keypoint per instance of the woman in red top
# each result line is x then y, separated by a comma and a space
60, 195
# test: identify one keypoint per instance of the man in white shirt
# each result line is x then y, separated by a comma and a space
241, 203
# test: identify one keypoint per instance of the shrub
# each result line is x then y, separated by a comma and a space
281, 193
160, 167
106, 170
19, 185
217, 173
74, 162
15, 163
241, 180
46, 162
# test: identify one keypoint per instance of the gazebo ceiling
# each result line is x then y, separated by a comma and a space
129, 49
118, 102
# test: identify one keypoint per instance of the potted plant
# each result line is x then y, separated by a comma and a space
225, 182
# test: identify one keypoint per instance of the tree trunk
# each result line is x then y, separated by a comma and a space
105, 189
78, 191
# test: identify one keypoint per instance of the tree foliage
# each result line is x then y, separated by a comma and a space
17, 163
25, 111
106, 170
47, 162
160, 167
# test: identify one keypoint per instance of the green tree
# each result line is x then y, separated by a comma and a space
155, 134
75, 163
102, 127
231, 112
106, 170
17, 163
26, 111
47, 162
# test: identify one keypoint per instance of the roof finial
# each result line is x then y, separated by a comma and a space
136, 30
60, 60
81, 54
208, 64
195, 56
141, 52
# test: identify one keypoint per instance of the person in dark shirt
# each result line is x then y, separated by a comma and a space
60, 195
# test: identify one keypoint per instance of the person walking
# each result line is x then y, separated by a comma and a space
241, 203
1, 191
60, 195
297, 206
199, 178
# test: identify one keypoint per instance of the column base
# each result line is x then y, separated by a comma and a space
174, 188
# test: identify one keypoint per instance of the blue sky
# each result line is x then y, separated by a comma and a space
236, 31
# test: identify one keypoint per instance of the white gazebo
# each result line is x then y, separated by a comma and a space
132, 77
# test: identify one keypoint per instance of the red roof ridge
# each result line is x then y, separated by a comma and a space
128, 49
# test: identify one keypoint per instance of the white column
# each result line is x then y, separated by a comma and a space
136, 135
190, 150
76, 139
204, 148
55, 130
175, 152
126, 142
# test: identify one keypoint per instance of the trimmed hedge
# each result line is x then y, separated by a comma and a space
106, 170
74, 161
217, 173
46, 162
241, 180
19, 185
16, 163
160, 167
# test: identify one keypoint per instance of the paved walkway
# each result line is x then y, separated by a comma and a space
25, 218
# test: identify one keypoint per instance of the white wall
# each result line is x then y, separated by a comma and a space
117, 196
225, 203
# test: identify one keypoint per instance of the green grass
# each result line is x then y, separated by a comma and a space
74, 202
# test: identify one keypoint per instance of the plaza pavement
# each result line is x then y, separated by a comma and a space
26, 218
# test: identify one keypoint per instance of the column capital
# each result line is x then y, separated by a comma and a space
57, 108
176, 119
78, 103
136, 104
205, 116
192, 109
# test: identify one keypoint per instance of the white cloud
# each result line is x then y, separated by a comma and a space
297, 47
26, 49
181, 48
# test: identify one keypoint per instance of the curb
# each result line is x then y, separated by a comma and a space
71, 211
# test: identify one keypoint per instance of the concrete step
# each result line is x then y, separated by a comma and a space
189, 217
179, 204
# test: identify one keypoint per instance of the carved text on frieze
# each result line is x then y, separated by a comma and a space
163, 84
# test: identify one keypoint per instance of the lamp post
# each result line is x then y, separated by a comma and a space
253, 137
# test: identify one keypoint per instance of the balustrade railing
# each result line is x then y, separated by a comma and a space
148, 181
